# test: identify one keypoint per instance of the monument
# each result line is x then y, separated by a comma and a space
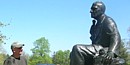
104, 35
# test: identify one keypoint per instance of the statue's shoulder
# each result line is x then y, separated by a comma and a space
109, 21
109, 24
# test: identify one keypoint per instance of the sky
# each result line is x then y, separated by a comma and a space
64, 23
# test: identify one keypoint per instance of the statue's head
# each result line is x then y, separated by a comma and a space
97, 9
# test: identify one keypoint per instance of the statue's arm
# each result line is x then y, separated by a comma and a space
114, 36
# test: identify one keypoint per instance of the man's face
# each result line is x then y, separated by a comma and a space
18, 51
95, 11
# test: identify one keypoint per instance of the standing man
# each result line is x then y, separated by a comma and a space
16, 58
104, 35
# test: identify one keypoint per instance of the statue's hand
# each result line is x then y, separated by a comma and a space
108, 57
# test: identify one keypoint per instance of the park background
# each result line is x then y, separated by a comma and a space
63, 23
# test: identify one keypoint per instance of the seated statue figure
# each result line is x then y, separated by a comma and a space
104, 35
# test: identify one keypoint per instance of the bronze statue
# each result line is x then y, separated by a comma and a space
104, 35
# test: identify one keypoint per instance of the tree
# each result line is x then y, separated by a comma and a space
2, 38
128, 45
2, 50
41, 52
2, 58
128, 42
61, 57
123, 52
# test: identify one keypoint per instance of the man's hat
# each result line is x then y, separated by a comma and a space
16, 45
